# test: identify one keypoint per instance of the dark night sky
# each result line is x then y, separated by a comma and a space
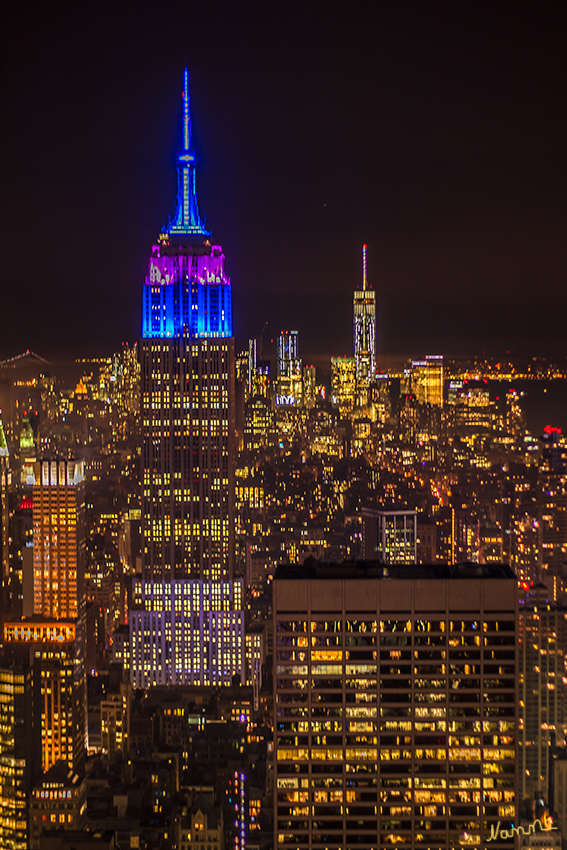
435, 132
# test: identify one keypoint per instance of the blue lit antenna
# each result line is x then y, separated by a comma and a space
186, 221
186, 112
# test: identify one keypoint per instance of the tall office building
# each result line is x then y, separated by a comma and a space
364, 327
59, 539
396, 705
343, 384
427, 380
389, 535
51, 641
54, 651
552, 531
18, 752
188, 425
4, 510
543, 688
187, 360
289, 386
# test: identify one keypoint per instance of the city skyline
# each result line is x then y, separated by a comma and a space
431, 134
241, 611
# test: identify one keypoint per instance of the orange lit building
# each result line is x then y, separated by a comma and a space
58, 536
55, 650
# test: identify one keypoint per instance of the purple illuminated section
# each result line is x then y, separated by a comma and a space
187, 295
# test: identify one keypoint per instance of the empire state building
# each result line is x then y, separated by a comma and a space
187, 360
187, 622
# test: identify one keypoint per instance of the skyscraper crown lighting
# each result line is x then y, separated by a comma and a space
186, 291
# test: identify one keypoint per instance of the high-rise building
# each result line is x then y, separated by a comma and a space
553, 511
543, 687
54, 648
187, 359
289, 387
59, 539
396, 705
4, 510
287, 354
389, 535
427, 379
18, 752
364, 304
343, 383
51, 641
188, 428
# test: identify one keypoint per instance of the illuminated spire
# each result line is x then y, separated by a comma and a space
364, 247
186, 112
186, 221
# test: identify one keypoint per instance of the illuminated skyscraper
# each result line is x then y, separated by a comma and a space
18, 753
395, 705
59, 539
343, 383
543, 687
187, 595
54, 649
427, 380
4, 510
289, 387
364, 327
51, 641
187, 358
287, 354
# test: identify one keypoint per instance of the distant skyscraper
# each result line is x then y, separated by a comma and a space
289, 387
287, 354
364, 327
188, 427
427, 380
343, 383
4, 510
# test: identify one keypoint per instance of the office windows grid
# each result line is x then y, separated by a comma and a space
394, 731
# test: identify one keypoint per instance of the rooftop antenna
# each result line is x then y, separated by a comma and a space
364, 247
186, 115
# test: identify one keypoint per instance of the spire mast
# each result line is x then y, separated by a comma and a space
364, 247
186, 112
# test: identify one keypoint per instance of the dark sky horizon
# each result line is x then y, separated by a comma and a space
433, 132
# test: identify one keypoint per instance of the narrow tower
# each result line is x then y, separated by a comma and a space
364, 305
187, 359
187, 626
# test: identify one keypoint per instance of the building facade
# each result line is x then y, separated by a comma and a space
396, 701
54, 650
427, 380
59, 539
543, 688
18, 752
188, 443
389, 536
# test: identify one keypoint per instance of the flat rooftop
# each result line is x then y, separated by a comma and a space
313, 569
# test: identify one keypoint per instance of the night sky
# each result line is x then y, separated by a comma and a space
435, 132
